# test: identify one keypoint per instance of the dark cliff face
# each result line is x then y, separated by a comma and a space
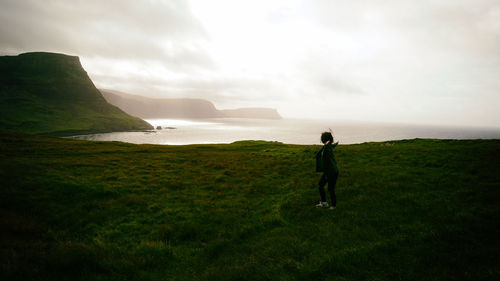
50, 93
44, 71
39, 63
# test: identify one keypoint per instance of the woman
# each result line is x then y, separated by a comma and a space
325, 162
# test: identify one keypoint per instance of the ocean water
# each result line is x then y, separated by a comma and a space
291, 131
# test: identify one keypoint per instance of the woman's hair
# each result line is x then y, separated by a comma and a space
326, 136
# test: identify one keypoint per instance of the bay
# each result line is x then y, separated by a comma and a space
291, 131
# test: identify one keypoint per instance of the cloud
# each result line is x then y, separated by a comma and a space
467, 28
379, 60
121, 29
336, 86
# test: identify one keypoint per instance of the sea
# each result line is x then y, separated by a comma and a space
290, 131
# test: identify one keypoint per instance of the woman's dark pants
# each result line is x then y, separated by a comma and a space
332, 180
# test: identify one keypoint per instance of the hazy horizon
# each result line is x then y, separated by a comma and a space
289, 131
405, 62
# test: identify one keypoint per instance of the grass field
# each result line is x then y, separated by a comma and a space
407, 210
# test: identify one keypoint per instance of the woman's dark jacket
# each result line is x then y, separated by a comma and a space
325, 161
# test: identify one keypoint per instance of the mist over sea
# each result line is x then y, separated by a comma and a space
291, 131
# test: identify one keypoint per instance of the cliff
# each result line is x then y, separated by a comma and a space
49, 93
146, 107
161, 108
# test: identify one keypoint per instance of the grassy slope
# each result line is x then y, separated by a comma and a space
418, 209
47, 93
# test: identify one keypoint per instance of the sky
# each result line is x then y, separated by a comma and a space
404, 61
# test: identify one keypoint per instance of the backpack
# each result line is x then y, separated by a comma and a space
319, 161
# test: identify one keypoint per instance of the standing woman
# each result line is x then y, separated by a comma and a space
325, 162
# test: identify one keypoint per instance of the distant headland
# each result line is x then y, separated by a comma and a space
145, 107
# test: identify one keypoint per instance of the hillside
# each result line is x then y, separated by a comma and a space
48, 93
407, 210
146, 107
161, 108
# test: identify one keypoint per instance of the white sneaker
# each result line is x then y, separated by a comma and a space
322, 204
332, 207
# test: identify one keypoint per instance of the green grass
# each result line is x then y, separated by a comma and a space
407, 210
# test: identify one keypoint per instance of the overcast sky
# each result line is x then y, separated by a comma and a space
431, 62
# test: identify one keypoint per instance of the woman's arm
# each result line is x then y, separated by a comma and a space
334, 144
